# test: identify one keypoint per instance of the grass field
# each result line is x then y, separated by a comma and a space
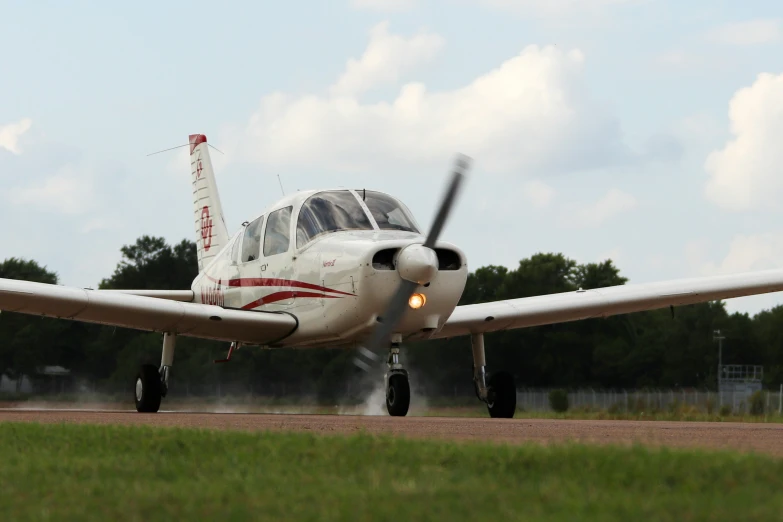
78, 472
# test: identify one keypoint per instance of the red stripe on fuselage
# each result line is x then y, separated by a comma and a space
280, 296
270, 281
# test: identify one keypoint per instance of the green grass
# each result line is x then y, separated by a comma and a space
80, 472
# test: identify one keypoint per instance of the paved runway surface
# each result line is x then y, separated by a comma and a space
764, 438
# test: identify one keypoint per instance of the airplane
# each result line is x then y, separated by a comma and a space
342, 268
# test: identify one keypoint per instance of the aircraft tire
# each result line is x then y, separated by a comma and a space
148, 389
398, 395
503, 396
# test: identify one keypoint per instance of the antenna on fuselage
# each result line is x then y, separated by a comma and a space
281, 185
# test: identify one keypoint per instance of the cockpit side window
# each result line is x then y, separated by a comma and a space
251, 242
235, 249
277, 237
329, 212
389, 213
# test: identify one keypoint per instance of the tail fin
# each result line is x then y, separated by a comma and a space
211, 231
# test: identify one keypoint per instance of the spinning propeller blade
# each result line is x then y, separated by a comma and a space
370, 354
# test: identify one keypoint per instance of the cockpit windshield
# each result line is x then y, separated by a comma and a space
389, 213
329, 212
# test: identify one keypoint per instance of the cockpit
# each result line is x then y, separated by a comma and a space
322, 213
340, 210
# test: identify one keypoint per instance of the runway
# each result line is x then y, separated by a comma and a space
756, 437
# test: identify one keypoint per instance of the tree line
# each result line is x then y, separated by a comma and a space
661, 348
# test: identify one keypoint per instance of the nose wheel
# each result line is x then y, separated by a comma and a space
398, 389
398, 394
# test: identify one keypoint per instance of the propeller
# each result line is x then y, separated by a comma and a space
371, 353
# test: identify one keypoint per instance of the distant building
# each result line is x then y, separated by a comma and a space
738, 382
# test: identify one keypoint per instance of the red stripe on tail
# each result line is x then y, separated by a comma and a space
196, 140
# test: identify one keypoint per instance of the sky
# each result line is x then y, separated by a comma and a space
649, 132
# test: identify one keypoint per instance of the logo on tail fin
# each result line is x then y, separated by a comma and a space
206, 228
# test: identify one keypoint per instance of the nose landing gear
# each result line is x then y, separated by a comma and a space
398, 390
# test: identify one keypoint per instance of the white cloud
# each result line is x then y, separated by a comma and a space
9, 135
67, 192
747, 253
385, 5
613, 203
530, 112
747, 172
537, 193
751, 32
387, 56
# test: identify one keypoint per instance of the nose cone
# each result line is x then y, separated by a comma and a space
418, 264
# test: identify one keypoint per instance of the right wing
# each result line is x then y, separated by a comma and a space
145, 312
603, 302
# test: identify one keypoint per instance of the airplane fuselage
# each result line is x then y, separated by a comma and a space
334, 284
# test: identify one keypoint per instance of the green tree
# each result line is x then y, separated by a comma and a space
26, 341
768, 328
597, 275
151, 263
26, 270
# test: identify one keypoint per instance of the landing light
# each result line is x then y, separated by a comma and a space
417, 301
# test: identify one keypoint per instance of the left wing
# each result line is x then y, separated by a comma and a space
186, 296
145, 312
604, 302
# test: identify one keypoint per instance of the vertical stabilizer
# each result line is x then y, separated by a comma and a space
211, 231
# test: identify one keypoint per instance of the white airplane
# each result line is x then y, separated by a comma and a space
345, 268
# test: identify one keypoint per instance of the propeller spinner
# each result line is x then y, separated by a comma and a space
417, 265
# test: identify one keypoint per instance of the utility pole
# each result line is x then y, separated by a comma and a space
716, 336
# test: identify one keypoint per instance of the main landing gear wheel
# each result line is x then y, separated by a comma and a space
398, 395
502, 397
149, 389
